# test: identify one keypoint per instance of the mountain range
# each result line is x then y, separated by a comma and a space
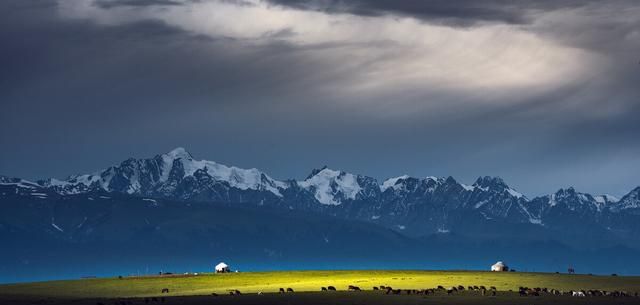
126, 204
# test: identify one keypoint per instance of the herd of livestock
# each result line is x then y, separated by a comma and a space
440, 290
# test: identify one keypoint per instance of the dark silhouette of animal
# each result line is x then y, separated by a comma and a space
475, 287
237, 292
493, 288
449, 291
331, 288
375, 288
323, 289
460, 287
382, 287
353, 288
214, 294
289, 290
281, 290
440, 287
470, 288
165, 290
397, 291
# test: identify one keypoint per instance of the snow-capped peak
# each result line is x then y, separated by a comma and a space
393, 183
629, 201
135, 176
179, 152
331, 186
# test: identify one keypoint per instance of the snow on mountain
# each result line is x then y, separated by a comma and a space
142, 176
331, 187
393, 183
629, 201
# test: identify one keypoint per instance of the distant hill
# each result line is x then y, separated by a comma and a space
173, 211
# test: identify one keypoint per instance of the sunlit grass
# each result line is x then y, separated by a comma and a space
253, 282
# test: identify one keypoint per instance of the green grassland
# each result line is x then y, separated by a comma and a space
301, 281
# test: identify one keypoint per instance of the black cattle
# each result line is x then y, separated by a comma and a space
375, 288
237, 292
449, 291
493, 288
460, 287
331, 288
440, 287
281, 290
397, 291
165, 290
323, 289
289, 289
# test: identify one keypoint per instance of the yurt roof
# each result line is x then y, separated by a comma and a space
221, 265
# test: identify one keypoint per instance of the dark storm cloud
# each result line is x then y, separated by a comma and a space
458, 13
77, 95
140, 3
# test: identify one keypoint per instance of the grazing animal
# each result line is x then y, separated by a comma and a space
460, 287
577, 293
281, 290
154, 299
237, 292
289, 290
375, 288
494, 288
214, 294
331, 288
397, 291
323, 289
440, 287
470, 288
382, 287
449, 291
165, 290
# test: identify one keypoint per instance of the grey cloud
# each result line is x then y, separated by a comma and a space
106, 4
456, 13
77, 95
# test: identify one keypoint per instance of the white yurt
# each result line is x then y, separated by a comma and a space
222, 268
499, 266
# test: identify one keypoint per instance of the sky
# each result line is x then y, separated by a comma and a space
543, 94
